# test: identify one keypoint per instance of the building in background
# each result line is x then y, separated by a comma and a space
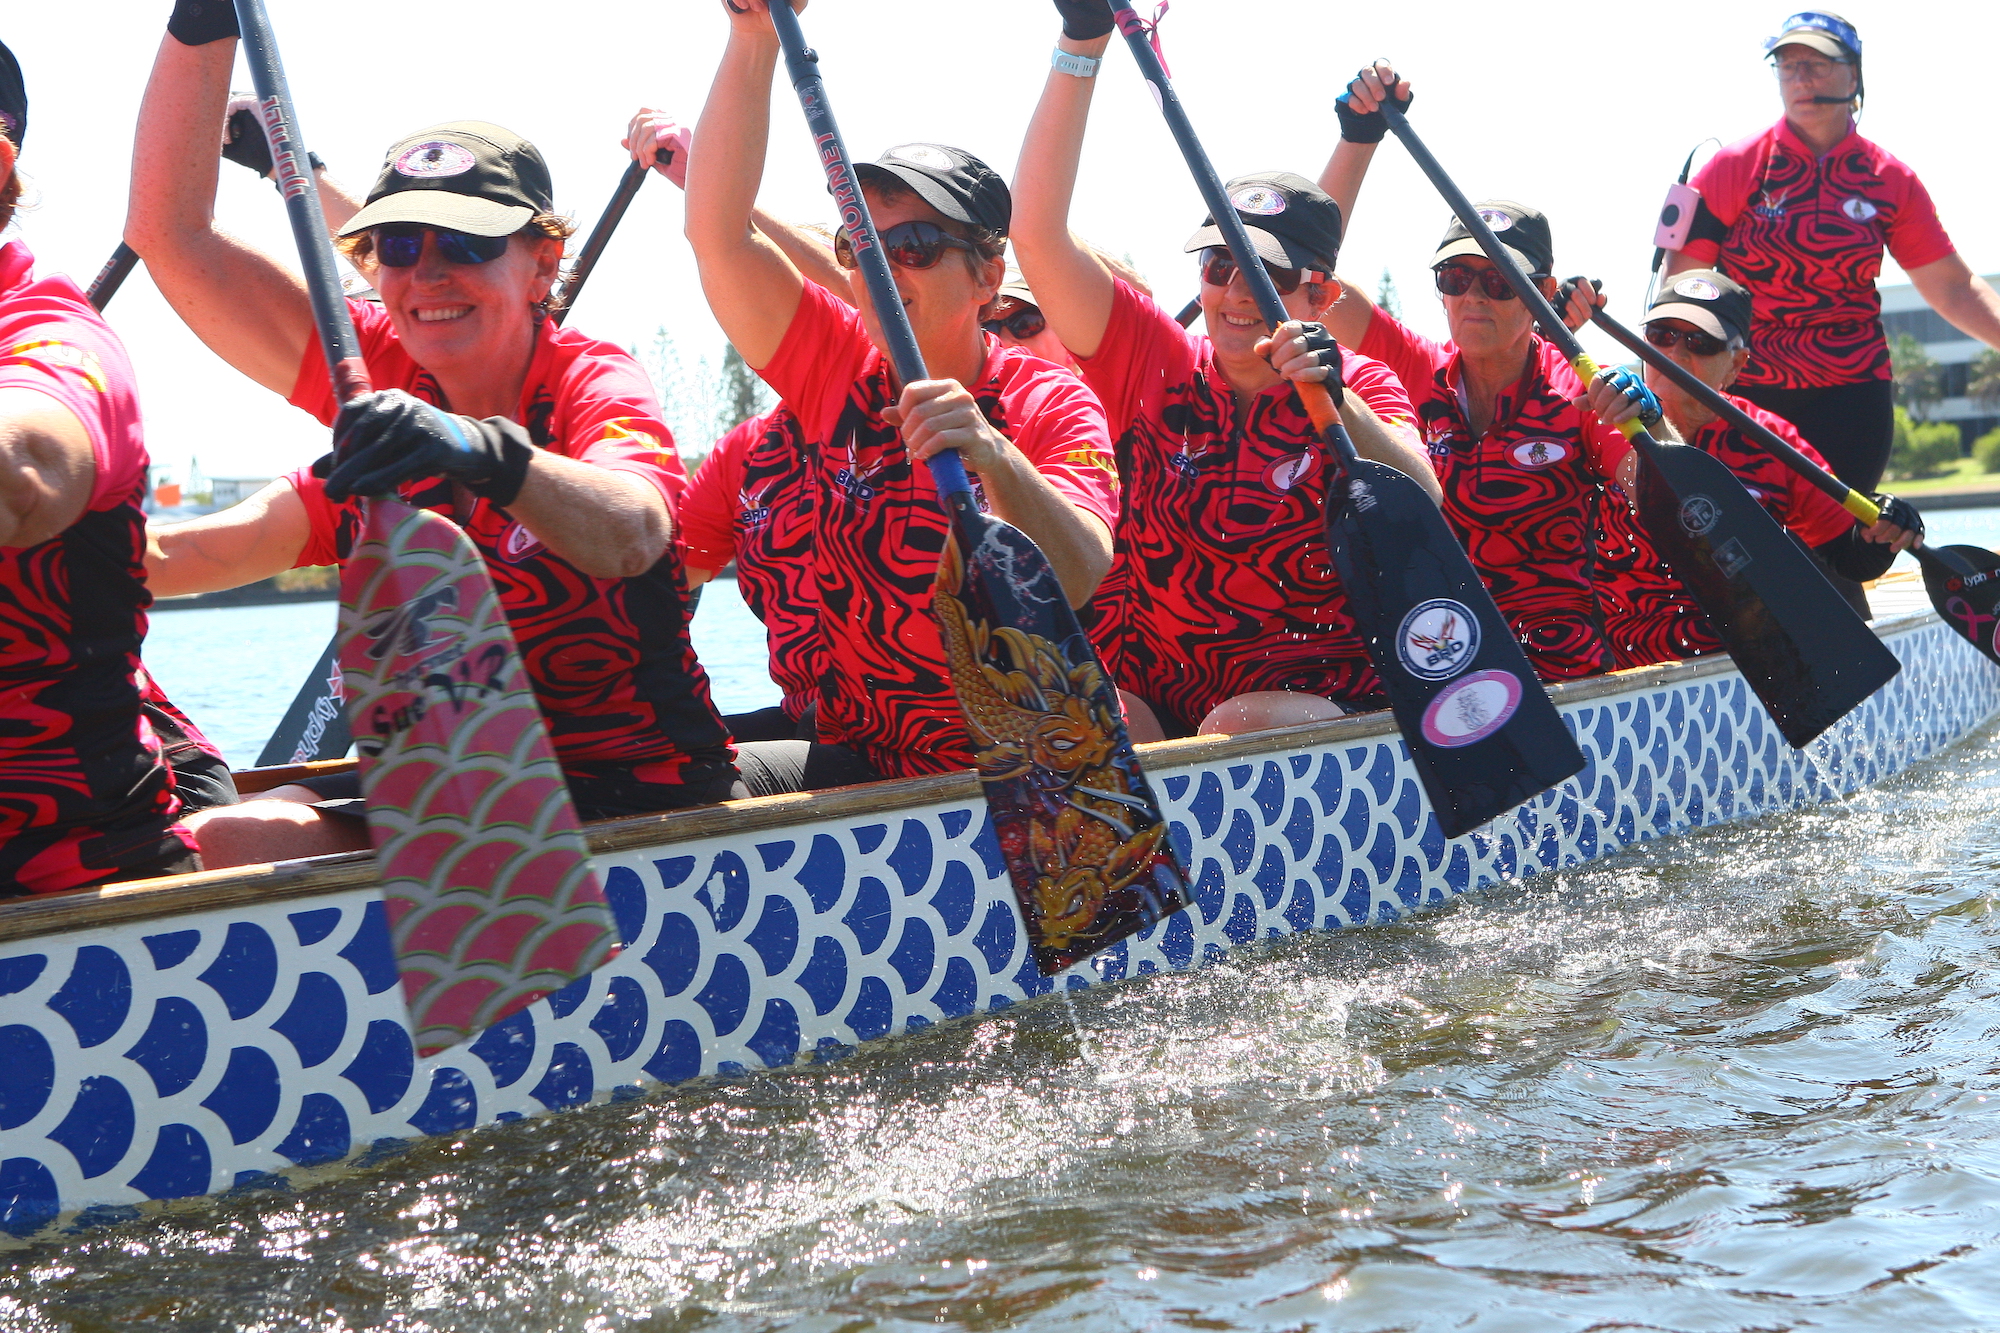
1903, 311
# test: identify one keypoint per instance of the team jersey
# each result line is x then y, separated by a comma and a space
1221, 581
85, 792
1649, 614
1805, 234
878, 525
751, 502
1524, 497
609, 659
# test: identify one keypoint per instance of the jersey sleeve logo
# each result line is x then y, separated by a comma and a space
1438, 639
63, 356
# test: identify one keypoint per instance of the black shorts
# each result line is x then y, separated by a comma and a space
606, 792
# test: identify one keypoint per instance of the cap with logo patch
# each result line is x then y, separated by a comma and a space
1828, 34
465, 175
951, 180
1292, 222
13, 98
1717, 305
1519, 228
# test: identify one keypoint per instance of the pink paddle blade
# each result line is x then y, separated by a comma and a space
491, 897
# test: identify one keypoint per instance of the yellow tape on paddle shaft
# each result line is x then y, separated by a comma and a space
1854, 502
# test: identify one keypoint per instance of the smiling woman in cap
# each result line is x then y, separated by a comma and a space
545, 445
1800, 214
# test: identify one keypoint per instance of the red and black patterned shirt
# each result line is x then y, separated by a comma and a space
85, 791
1523, 498
878, 526
751, 502
1805, 234
609, 659
1221, 581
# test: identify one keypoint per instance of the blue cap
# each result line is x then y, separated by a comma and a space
13, 98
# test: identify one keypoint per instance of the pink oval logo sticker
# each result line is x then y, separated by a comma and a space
435, 158
1538, 454
1471, 709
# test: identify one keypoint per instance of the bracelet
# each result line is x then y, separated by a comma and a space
1082, 67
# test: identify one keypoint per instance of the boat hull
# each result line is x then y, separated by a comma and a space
184, 1042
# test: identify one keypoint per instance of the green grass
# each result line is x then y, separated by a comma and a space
1964, 475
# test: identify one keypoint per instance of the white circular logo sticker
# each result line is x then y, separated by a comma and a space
1495, 220
1438, 639
1538, 454
1289, 471
1699, 515
1467, 711
1260, 200
1858, 209
518, 543
923, 155
435, 159
1701, 289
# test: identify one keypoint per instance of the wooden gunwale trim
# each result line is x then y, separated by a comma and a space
141, 900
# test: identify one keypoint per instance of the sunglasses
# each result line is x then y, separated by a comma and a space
400, 245
1218, 269
1023, 322
1457, 280
1697, 342
908, 245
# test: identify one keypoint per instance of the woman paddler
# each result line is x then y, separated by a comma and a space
1223, 612
1030, 432
1800, 214
544, 444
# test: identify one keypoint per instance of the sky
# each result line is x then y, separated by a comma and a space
1586, 113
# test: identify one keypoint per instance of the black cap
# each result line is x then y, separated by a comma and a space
1715, 304
465, 175
951, 180
13, 98
1519, 228
1292, 222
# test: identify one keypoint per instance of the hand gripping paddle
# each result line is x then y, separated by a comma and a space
1081, 831
1959, 579
1800, 646
1479, 726
491, 898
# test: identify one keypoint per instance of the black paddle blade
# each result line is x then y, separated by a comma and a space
1800, 646
1081, 831
315, 726
1967, 597
1482, 731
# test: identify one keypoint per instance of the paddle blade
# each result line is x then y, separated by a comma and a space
1800, 646
1086, 847
491, 897
1480, 728
1967, 597
315, 726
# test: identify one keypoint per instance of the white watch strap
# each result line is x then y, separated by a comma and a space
1082, 67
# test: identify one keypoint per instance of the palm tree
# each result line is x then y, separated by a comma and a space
1982, 384
1916, 375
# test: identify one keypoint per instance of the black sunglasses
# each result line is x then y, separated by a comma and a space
1457, 280
1024, 322
908, 245
1218, 269
401, 245
1699, 343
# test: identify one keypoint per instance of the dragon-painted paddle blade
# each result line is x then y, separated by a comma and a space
1967, 597
1086, 847
491, 897
315, 726
1800, 646
1454, 674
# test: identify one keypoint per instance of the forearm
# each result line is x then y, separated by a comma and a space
1073, 289
1377, 441
1342, 176
1078, 545
174, 157
610, 525
336, 204
807, 250
254, 540
1972, 307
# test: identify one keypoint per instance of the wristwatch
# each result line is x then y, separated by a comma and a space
1082, 67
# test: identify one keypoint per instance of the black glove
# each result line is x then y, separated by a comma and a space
1085, 19
387, 437
1357, 128
247, 146
1326, 351
199, 22
1899, 511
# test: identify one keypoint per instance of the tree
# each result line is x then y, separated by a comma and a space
1385, 296
744, 395
1982, 384
1918, 388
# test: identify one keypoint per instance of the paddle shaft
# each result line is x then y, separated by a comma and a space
1318, 401
600, 235
112, 276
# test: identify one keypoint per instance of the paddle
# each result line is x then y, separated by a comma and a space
112, 276
1959, 579
600, 235
1480, 729
1079, 827
1800, 646
491, 899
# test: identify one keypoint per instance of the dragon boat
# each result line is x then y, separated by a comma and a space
172, 1038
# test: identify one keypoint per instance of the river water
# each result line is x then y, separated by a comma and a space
1744, 1079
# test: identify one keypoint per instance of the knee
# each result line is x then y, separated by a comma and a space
1263, 710
1140, 724
257, 832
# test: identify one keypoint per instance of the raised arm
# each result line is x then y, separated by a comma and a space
1072, 288
244, 143
1361, 131
1961, 296
248, 308
751, 287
